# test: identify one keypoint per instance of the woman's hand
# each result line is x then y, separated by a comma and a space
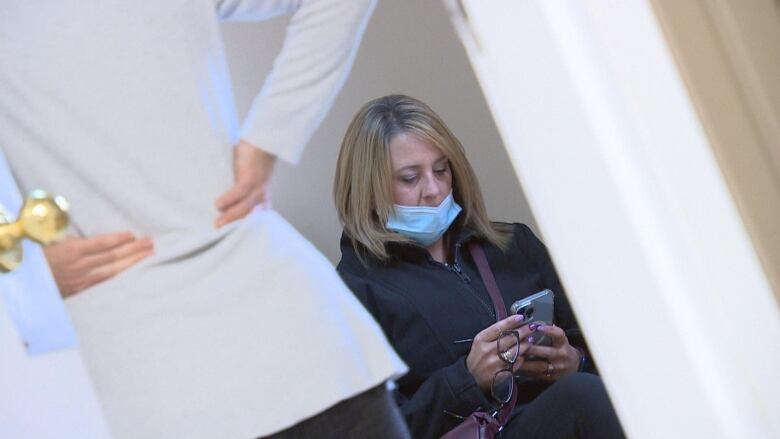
252, 168
483, 361
554, 361
79, 263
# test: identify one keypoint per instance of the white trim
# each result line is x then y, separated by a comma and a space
633, 206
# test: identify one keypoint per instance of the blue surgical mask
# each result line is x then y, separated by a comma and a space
424, 224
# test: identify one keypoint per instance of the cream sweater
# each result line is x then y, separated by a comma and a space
125, 108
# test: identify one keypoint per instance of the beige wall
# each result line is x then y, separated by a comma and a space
409, 47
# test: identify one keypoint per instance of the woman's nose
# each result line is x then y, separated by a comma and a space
431, 191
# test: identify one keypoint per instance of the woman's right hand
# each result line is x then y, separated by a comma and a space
483, 361
79, 263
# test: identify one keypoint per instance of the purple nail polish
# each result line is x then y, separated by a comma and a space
533, 326
531, 339
519, 317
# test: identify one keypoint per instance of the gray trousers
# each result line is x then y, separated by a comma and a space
371, 414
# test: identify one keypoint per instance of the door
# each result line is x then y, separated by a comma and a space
640, 216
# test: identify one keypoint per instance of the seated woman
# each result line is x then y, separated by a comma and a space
411, 205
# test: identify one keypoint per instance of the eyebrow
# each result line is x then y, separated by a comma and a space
415, 167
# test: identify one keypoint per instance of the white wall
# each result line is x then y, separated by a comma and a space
645, 234
409, 47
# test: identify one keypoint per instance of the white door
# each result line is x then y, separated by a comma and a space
630, 198
44, 389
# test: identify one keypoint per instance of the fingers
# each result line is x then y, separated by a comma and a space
234, 195
492, 332
79, 263
557, 337
252, 167
555, 333
119, 252
540, 369
107, 271
239, 209
546, 352
521, 356
554, 361
100, 243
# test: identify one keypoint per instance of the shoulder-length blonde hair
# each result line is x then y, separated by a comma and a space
362, 186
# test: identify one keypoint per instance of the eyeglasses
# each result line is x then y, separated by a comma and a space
508, 350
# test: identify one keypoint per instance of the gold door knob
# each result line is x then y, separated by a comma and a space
43, 218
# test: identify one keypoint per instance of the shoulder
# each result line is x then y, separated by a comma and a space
361, 272
381, 289
522, 237
351, 262
523, 248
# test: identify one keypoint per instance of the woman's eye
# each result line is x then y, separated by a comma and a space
409, 179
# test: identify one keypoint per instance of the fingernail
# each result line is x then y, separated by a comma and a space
533, 326
531, 339
519, 317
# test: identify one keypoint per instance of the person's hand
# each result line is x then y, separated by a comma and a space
483, 361
79, 263
555, 361
252, 168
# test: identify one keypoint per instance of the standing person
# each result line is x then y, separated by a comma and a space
199, 316
412, 209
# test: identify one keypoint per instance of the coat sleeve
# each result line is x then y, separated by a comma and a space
444, 397
564, 316
318, 51
430, 403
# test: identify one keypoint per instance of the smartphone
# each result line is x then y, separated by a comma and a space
536, 308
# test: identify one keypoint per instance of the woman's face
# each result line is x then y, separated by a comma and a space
421, 172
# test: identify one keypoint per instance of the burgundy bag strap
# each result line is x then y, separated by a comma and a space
478, 254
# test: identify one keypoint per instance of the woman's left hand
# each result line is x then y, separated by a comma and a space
552, 362
252, 168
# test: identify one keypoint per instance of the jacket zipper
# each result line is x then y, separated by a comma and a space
455, 267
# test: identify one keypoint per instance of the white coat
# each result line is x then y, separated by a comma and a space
125, 108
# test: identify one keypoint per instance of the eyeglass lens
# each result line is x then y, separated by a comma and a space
509, 346
502, 385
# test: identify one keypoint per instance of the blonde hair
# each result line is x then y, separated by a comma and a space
362, 186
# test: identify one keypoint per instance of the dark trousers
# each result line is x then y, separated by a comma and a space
576, 406
371, 414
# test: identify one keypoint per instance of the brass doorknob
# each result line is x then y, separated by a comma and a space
43, 219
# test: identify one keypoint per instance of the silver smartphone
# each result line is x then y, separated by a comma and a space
536, 308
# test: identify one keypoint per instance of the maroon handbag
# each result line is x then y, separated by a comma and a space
483, 425
478, 425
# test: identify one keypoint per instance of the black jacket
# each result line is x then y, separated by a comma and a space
423, 306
